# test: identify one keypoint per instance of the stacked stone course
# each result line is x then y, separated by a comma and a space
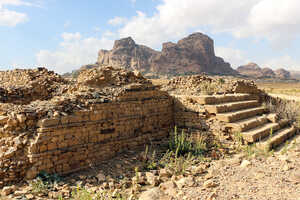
57, 138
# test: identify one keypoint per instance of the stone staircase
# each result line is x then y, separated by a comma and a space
244, 114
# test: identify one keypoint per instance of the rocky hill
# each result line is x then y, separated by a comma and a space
295, 74
254, 71
191, 55
282, 74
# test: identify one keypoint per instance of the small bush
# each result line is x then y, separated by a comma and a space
286, 110
44, 181
49, 178
38, 186
81, 194
177, 165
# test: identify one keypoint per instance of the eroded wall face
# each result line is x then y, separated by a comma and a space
70, 143
189, 114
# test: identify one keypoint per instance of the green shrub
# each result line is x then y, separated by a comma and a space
181, 144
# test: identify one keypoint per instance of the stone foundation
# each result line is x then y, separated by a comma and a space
69, 143
189, 114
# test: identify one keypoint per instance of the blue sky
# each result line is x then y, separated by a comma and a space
65, 34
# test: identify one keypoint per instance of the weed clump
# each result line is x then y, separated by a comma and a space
182, 144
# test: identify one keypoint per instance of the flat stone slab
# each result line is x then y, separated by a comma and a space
247, 124
217, 99
278, 138
261, 132
232, 106
241, 114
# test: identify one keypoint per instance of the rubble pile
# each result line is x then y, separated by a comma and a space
205, 85
103, 76
21, 86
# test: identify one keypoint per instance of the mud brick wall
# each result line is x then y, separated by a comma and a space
189, 114
69, 143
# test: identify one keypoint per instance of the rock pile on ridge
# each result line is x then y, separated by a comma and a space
202, 84
109, 76
45, 93
21, 86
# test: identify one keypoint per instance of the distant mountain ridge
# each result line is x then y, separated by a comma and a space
254, 71
191, 55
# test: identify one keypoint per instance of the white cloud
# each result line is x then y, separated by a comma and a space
117, 21
286, 62
9, 17
67, 37
175, 18
74, 51
234, 56
277, 21
14, 3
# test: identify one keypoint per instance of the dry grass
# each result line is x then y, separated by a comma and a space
280, 88
286, 110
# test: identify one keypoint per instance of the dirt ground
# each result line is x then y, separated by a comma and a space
274, 177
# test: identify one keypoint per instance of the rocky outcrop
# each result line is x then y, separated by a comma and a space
254, 71
191, 55
283, 74
267, 72
127, 54
251, 69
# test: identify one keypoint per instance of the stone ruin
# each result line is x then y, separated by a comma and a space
60, 126
57, 125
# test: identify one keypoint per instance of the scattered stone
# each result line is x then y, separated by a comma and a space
185, 182
210, 184
245, 163
29, 196
8, 190
168, 188
295, 177
101, 177
152, 179
152, 194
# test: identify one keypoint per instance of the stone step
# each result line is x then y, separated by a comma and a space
217, 99
240, 114
260, 132
232, 106
278, 138
247, 124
